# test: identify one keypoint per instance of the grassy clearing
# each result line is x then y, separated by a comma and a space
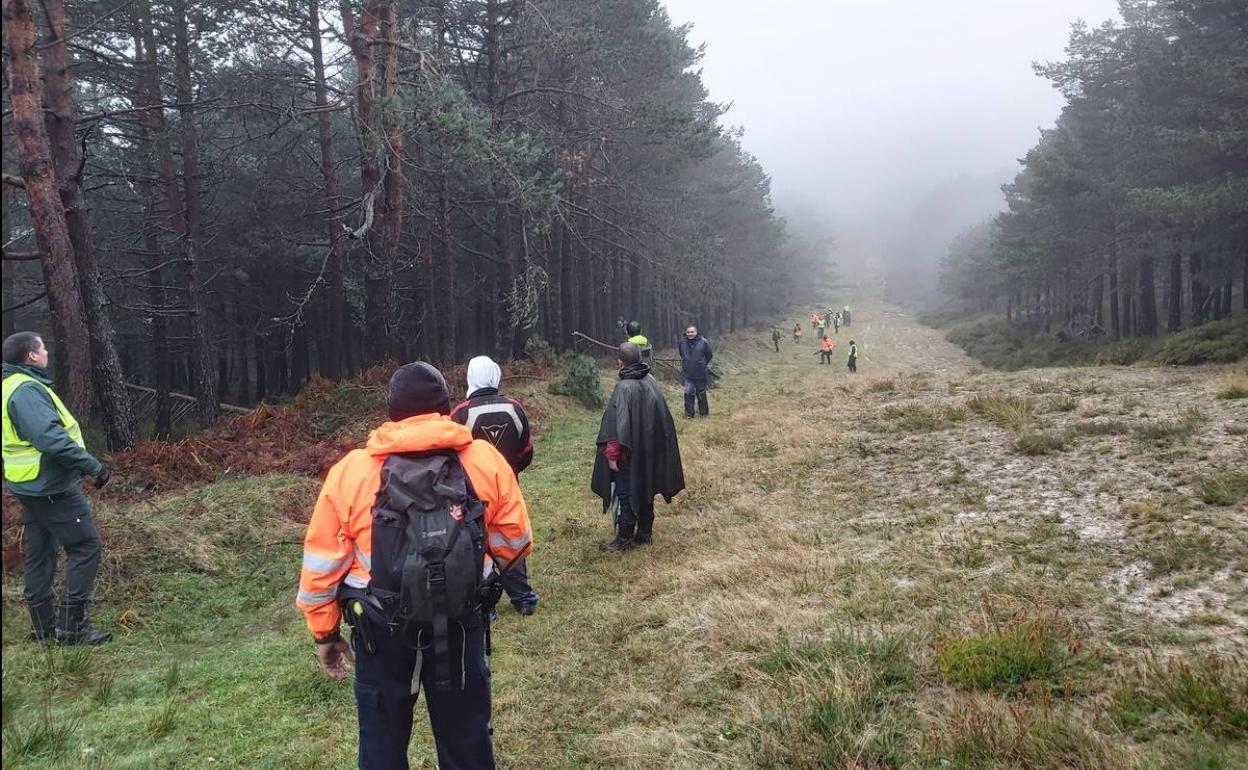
824, 594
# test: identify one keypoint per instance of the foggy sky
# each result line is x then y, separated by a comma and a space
861, 106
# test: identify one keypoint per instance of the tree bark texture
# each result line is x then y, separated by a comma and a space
203, 380
120, 426
47, 212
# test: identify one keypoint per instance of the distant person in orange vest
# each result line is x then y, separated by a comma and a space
797, 333
825, 351
814, 321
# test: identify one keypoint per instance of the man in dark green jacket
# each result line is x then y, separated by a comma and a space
44, 459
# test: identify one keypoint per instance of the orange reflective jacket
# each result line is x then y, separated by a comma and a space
828, 344
338, 546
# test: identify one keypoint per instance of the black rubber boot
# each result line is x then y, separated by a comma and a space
643, 538
74, 627
42, 620
622, 542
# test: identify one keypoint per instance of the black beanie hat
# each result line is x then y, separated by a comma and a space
417, 388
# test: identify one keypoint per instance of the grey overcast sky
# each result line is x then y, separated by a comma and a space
860, 106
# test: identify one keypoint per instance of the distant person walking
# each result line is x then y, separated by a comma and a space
638, 456
853, 356
797, 333
814, 321
776, 337
836, 323
502, 422
45, 458
825, 351
695, 365
633, 328
822, 328
845, 317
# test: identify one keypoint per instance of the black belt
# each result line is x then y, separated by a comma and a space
49, 498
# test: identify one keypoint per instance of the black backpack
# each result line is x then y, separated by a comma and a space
428, 546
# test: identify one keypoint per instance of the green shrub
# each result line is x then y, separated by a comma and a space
1125, 352
1214, 342
582, 382
998, 344
540, 351
994, 342
1026, 649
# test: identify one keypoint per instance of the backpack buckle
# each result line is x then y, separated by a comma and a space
437, 573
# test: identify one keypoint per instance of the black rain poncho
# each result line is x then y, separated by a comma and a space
638, 418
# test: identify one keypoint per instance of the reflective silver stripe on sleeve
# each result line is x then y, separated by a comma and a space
356, 582
315, 598
322, 565
363, 558
497, 539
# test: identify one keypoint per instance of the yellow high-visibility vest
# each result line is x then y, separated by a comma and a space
21, 459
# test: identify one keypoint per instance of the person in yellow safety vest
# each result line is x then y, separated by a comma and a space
44, 459
633, 328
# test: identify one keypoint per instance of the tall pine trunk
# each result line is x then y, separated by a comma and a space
333, 362
203, 378
1174, 310
120, 426
1147, 308
1194, 267
47, 212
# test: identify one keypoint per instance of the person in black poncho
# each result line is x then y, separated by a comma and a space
638, 456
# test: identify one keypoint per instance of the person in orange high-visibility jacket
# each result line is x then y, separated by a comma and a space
825, 350
337, 552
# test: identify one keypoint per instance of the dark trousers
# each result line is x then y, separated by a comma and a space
635, 514
825, 357
853, 364
776, 342
59, 522
460, 716
696, 389
515, 582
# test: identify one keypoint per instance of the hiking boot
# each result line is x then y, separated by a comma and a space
618, 544
42, 620
643, 538
526, 609
622, 542
74, 627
